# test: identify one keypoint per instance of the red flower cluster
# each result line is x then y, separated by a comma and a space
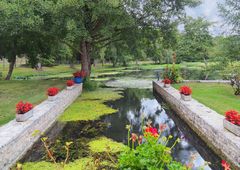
233, 117
167, 81
22, 107
52, 91
152, 131
70, 83
79, 74
225, 165
185, 90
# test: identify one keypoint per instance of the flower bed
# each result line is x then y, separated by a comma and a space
70, 84
167, 82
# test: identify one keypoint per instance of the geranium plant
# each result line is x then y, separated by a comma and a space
233, 117
81, 74
22, 107
52, 91
185, 90
167, 81
70, 83
151, 151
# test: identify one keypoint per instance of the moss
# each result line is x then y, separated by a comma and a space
90, 106
104, 144
80, 164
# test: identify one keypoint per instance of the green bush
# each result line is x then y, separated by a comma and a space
151, 154
90, 85
172, 74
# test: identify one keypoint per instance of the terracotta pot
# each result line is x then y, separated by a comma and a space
24, 117
52, 98
167, 85
231, 127
186, 97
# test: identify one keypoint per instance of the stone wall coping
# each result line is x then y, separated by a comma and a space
18, 136
207, 123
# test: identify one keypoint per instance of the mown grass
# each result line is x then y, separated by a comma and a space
219, 97
33, 91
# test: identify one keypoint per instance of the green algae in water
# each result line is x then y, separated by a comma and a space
90, 105
79, 164
104, 144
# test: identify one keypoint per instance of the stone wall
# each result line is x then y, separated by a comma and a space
207, 123
16, 137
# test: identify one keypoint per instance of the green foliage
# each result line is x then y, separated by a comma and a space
150, 155
172, 74
194, 43
229, 10
90, 85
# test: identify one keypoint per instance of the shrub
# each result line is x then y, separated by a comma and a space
151, 152
167, 81
90, 85
52, 91
70, 83
185, 90
22, 107
172, 74
233, 117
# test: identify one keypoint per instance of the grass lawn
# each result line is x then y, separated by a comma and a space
218, 97
33, 91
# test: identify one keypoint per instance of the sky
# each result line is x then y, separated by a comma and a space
209, 10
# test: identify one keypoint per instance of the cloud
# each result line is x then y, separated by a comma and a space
209, 10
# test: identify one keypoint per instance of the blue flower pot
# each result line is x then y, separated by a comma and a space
78, 80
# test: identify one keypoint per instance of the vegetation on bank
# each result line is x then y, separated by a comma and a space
11, 92
218, 97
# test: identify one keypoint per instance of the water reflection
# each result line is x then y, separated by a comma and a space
136, 108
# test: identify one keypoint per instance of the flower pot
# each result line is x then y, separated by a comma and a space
167, 85
186, 97
52, 98
24, 117
78, 80
231, 127
70, 87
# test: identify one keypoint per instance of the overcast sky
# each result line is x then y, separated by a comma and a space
209, 10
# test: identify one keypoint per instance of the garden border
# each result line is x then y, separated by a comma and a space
207, 123
16, 138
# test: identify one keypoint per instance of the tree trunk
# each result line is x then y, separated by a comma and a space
85, 58
11, 67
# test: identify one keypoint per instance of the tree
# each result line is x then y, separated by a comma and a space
195, 41
91, 24
229, 10
20, 30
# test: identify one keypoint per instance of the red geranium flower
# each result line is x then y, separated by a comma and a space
70, 83
79, 74
167, 81
152, 131
52, 91
22, 107
225, 165
185, 90
233, 117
